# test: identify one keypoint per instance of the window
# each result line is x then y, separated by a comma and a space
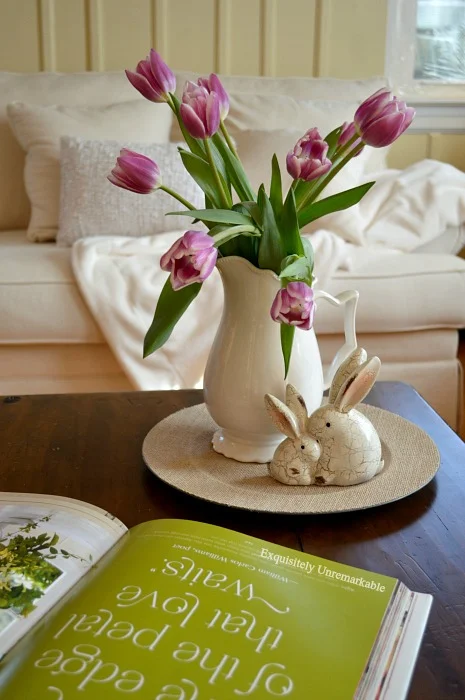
440, 41
425, 61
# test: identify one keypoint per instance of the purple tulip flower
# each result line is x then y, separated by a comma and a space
307, 160
294, 305
347, 133
190, 259
214, 84
200, 111
153, 78
382, 118
135, 172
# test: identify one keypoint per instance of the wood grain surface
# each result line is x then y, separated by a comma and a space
88, 446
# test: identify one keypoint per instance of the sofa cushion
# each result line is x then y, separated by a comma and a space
399, 292
69, 89
39, 129
40, 302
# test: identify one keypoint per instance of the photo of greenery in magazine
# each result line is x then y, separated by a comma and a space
26, 568
46, 545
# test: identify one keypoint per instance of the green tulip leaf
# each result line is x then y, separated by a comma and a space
276, 188
270, 251
287, 337
289, 227
337, 202
308, 251
332, 139
251, 208
202, 173
217, 216
296, 269
234, 168
170, 307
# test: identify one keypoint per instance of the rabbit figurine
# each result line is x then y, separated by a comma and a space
337, 444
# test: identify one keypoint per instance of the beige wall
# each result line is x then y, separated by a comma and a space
338, 38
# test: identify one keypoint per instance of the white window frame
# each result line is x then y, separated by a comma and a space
440, 106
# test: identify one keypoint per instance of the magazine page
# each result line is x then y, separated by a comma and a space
180, 609
47, 543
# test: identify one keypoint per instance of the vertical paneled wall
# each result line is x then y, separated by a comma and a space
328, 38
264, 37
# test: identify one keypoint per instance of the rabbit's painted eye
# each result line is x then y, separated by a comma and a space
302, 447
328, 425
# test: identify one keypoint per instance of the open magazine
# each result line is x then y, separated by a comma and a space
189, 611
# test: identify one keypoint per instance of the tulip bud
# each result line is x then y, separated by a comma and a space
135, 172
294, 306
200, 111
382, 118
214, 84
307, 161
152, 78
190, 259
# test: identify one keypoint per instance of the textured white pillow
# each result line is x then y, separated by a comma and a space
264, 112
39, 129
91, 206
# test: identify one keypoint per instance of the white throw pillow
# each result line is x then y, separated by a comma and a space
91, 206
72, 89
39, 129
264, 112
256, 148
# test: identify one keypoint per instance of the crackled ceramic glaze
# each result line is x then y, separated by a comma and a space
337, 445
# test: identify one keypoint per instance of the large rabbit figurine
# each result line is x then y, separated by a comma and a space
337, 444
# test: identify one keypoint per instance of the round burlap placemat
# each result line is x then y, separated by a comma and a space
178, 450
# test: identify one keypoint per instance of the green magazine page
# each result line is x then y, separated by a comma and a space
180, 610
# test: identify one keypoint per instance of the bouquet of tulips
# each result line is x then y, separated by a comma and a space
263, 227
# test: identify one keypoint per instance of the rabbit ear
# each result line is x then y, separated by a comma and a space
296, 403
357, 385
282, 417
345, 369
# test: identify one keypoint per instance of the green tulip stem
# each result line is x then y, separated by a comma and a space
333, 172
224, 198
228, 139
177, 196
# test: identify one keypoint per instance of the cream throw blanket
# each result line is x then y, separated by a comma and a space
121, 279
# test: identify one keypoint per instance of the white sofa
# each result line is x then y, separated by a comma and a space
50, 343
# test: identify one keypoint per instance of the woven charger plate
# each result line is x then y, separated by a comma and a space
178, 450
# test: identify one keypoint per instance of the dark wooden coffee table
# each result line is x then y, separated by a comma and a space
88, 446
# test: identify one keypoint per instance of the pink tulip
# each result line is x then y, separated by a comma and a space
294, 305
308, 159
153, 78
382, 118
200, 111
190, 259
347, 133
135, 172
214, 84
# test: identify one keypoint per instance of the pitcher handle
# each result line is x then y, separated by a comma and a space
348, 300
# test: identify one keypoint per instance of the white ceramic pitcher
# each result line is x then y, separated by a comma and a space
246, 362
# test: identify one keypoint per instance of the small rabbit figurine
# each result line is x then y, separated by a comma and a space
337, 444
